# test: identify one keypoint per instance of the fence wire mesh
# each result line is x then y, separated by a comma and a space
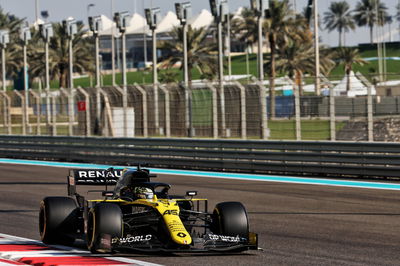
199, 111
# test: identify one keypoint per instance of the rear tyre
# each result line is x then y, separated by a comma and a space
230, 219
58, 220
104, 221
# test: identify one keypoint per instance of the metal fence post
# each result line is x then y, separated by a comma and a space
214, 109
70, 112
48, 111
38, 110
54, 116
243, 118
87, 111
23, 112
70, 100
332, 116
370, 116
108, 122
370, 119
7, 111
265, 133
297, 113
188, 111
167, 111
144, 111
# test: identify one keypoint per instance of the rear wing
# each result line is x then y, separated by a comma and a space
92, 177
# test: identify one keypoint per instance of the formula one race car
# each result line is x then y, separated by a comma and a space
140, 215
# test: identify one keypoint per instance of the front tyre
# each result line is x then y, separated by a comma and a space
104, 221
230, 219
58, 220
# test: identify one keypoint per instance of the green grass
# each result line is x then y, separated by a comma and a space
310, 129
202, 116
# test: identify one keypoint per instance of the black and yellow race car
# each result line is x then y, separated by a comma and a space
140, 215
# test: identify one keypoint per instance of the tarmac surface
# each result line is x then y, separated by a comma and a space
297, 224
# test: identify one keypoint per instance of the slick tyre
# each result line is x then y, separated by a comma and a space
230, 219
58, 220
104, 222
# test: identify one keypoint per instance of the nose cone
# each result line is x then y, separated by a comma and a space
182, 238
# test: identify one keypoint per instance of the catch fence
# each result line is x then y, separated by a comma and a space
199, 112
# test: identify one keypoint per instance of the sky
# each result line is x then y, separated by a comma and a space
78, 9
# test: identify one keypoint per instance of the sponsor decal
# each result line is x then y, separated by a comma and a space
231, 239
171, 212
96, 176
175, 226
181, 234
131, 239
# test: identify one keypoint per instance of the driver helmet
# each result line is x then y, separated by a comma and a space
144, 193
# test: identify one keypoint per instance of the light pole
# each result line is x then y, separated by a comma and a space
46, 31
316, 47
25, 37
228, 45
260, 6
112, 46
36, 11
4, 40
220, 11
96, 26
183, 12
122, 21
88, 9
153, 18
70, 28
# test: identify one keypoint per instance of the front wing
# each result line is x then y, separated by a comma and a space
206, 243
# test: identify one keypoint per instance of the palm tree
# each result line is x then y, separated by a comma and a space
246, 29
297, 58
348, 57
200, 53
59, 54
366, 13
338, 17
278, 24
246, 26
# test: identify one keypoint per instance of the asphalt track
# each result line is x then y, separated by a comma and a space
297, 224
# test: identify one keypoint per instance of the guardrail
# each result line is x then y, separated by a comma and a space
284, 157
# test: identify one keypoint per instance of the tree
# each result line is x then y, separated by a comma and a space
246, 26
297, 58
348, 57
370, 13
82, 47
201, 55
246, 29
279, 23
338, 17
